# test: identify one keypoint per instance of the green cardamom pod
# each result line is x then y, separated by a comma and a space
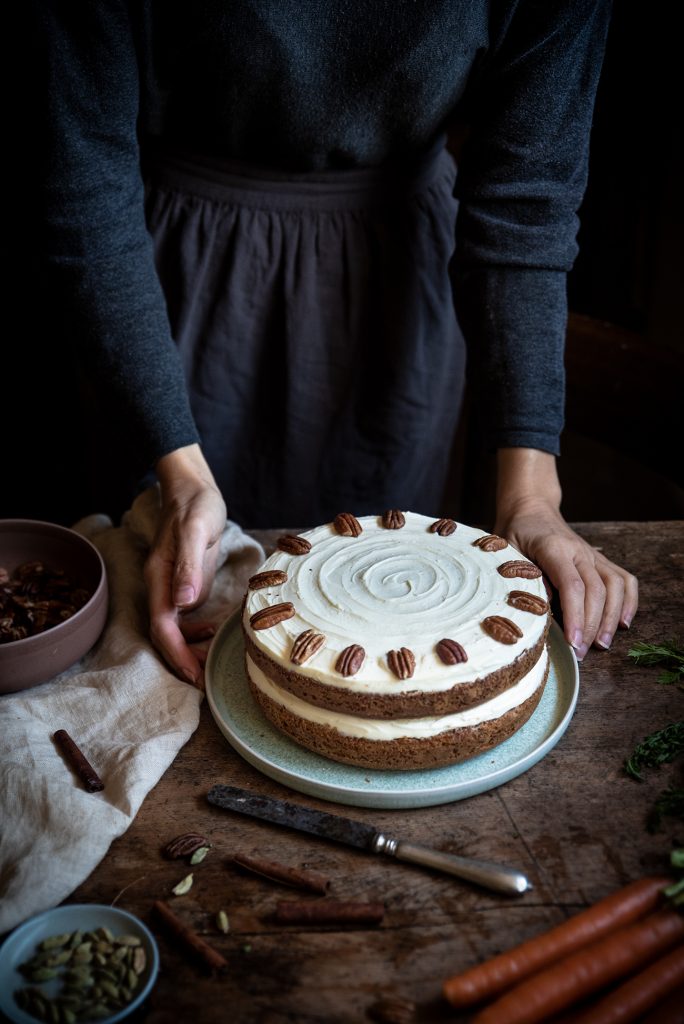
185, 885
99, 1012
222, 922
55, 941
43, 974
199, 855
139, 960
59, 959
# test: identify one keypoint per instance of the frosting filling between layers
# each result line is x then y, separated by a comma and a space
415, 728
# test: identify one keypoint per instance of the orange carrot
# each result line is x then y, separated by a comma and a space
668, 1011
580, 974
488, 979
629, 1001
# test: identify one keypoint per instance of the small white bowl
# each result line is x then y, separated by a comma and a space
20, 946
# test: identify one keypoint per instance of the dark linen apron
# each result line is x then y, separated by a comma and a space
314, 317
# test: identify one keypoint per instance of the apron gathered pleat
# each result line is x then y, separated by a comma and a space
314, 318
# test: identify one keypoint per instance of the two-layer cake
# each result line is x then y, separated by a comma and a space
397, 641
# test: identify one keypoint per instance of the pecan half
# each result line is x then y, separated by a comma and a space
350, 660
271, 616
270, 578
520, 568
393, 519
402, 663
528, 602
294, 545
444, 527
347, 525
501, 629
184, 845
451, 652
393, 1010
490, 543
306, 645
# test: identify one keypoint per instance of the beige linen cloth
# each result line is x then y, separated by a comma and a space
123, 707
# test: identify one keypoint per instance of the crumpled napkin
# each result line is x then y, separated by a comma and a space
127, 712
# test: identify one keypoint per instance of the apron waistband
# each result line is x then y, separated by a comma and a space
227, 181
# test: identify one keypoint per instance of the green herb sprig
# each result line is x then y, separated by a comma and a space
658, 748
669, 804
666, 744
675, 892
669, 653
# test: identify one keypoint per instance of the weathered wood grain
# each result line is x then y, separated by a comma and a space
574, 822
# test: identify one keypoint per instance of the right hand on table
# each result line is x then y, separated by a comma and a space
181, 565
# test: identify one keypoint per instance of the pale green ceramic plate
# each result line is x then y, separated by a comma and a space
249, 732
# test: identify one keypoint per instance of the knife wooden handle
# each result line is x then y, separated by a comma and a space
482, 872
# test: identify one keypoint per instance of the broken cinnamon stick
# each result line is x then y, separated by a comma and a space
309, 880
189, 937
328, 912
78, 761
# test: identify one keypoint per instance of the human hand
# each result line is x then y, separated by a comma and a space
181, 565
596, 596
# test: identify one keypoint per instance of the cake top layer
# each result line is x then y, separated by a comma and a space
395, 590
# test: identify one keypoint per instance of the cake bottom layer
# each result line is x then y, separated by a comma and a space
434, 749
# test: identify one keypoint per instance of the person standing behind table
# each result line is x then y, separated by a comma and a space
250, 218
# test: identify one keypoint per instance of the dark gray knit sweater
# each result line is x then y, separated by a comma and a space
307, 85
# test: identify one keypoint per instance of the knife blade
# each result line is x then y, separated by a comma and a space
495, 877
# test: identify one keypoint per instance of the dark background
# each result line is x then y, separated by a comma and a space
622, 449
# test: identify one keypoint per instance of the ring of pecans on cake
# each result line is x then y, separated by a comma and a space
398, 641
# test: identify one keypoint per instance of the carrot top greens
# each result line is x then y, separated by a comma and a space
664, 745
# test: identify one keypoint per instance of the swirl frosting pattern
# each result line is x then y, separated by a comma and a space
395, 588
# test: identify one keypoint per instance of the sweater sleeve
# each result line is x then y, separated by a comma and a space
521, 181
96, 251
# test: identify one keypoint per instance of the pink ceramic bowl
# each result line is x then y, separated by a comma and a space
38, 658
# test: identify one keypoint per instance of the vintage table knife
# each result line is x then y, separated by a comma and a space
366, 837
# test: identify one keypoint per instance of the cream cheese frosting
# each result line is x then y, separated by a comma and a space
413, 728
387, 589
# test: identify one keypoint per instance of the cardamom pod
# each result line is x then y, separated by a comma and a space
43, 974
185, 885
55, 941
139, 960
199, 855
222, 922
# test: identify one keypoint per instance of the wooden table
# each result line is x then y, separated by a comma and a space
575, 823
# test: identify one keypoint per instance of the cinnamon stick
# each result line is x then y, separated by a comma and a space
328, 912
189, 937
78, 761
297, 877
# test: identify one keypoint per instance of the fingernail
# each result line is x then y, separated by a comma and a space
581, 651
604, 641
191, 677
577, 639
626, 621
185, 595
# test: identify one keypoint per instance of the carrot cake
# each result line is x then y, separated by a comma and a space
396, 641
